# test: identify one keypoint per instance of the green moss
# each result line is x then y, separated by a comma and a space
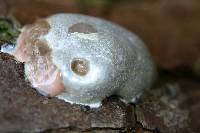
9, 30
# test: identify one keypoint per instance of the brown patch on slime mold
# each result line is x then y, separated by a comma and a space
33, 33
40, 70
29, 42
82, 28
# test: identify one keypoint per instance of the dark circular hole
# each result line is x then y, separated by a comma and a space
82, 28
80, 66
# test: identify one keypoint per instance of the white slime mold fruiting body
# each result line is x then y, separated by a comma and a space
83, 59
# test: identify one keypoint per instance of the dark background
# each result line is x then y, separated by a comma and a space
170, 28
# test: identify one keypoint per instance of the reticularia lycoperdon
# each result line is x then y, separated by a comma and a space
83, 59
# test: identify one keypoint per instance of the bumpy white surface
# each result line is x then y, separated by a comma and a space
119, 62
